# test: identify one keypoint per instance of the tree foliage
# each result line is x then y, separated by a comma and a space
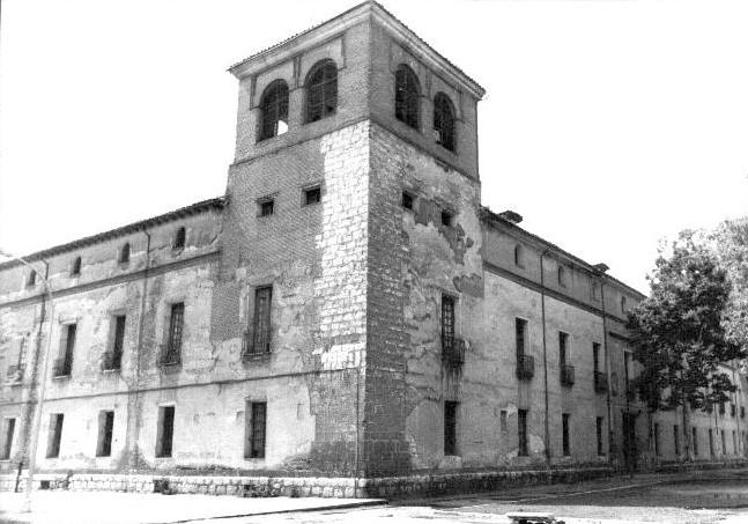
679, 332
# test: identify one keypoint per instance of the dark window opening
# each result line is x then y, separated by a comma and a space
407, 97
694, 435
448, 320
522, 432
596, 356
503, 423
711, 443
312, 195
565, 434
322, 91
444, 121
261, 324
562, 276
76, 268
563, 342
676, 440
599, 433
407, 200
63, 365
104, 442
180, 238
518, 261
173, 347
165, 433
450, 427
623, 304
267, 207
55, 435
274, 110
446, 218
256, 429
31, 280
656, 437
113, 358
520, 335
724, 443
7, 445
124, 254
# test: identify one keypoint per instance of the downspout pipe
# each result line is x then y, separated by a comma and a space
607, 367
545, 360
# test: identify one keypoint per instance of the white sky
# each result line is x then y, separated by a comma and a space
608, 124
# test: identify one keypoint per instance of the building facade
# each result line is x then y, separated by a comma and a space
347, 320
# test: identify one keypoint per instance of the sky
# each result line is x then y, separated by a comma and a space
607, 124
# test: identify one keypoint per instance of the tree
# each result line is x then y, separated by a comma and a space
679, 332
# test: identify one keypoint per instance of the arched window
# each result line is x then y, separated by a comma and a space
321, 91
274, 110
444, 121
407, 97
180, 238
518, 256
124, 254
76, 268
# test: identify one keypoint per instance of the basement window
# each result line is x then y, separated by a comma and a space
267, 207
447, 218
450, 427
55, 435
104, 441
255, 430
312, 195
7, 444
565, 417
165, 433
407, 200
522, 432
599, 433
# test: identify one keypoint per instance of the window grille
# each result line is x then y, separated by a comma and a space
444, 122
407, 97
322, 91
274, 110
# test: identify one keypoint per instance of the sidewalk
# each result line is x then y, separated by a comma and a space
104, 507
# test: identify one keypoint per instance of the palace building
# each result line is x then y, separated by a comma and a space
347, 319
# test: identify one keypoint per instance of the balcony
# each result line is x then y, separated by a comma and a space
170, 355
601, 382
453, 352
252, 349
525, 367
62, 367
15, 373
567, 375
111, 361
630, 392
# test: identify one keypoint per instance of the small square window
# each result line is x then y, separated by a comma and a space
407, 200
267, 207
446, 218
313, 195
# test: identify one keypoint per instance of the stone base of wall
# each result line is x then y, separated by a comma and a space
427, 484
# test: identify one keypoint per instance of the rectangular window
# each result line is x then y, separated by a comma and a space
520, 335
724, 442
118, 343
173, 348
734, 443
165, 432
261, 323
64, 364
313, 195
104, 442
596, 356
711, 442
676, 440
565, 417
7, 444
522, 432
448, 321
255, 429
267, 207
503, 421
407, 200
446, 218
563, 341
656, 437
450, 428
694, 437
599, 432
55, 435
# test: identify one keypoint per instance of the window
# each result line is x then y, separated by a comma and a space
565, 417
165, 432
448, 321
55, 435
321, 91
180, 238
626, 367
267, 207
104, 442
261, 323
173, 346
444, 121
113, 359
656, 437
407, 200
561, 276
694, 437
563, 342
407, 97
595, 291
256, 429
75, 269
274, 110
520, 335
724, 443
7, 443
623, 305
64, 363
599, 433
503, 424
446, 218
313, 195
676, 440
31, 280
711, 443
734, 443
450, 427
596, 356
518, 256
522, 432
124, 254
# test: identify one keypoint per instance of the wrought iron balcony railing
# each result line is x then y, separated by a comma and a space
62, 367
252, 348
567, 375
111, 361
170, 354
601, 382
525, 367
453, 352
